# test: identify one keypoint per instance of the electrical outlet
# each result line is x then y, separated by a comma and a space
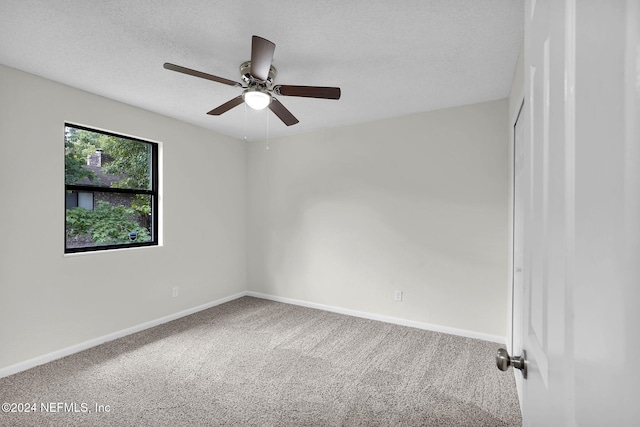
397, 295
175, 291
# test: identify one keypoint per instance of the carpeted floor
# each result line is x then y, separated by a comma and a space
252, 362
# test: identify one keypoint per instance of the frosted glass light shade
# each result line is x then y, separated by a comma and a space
256, 99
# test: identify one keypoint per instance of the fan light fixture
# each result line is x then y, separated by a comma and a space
256, 99
257, 83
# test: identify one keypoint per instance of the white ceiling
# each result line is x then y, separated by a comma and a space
390, 58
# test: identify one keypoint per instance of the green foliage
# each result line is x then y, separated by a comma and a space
74, 161
131, 159
142, 205
107, 224
73, 170
84, 142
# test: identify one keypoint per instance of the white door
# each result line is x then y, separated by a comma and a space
580, 197
606, 290
545, 197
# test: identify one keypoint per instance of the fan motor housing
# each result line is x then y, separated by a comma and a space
250, 80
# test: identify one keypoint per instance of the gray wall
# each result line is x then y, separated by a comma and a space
49, 301
344, 217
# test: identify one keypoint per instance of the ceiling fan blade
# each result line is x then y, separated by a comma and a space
226, 106
261, 57
282, 113
200, 74
308, 91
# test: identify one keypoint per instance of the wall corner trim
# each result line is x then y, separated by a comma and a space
58, 354
382, 318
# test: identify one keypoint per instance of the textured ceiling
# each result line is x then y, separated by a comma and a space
390, 58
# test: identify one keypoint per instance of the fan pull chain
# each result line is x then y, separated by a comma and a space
268, 130
245, 122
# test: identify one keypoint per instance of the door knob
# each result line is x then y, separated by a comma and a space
503, 361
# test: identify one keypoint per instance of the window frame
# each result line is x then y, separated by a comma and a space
153, 192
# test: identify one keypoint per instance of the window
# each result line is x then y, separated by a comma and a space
79, 198
111, 190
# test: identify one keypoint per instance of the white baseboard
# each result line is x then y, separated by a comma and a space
58, 354
40, 360
388, 319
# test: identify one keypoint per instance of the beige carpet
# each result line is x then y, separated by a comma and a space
252, 362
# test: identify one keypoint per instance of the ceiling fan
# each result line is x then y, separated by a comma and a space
257, 75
